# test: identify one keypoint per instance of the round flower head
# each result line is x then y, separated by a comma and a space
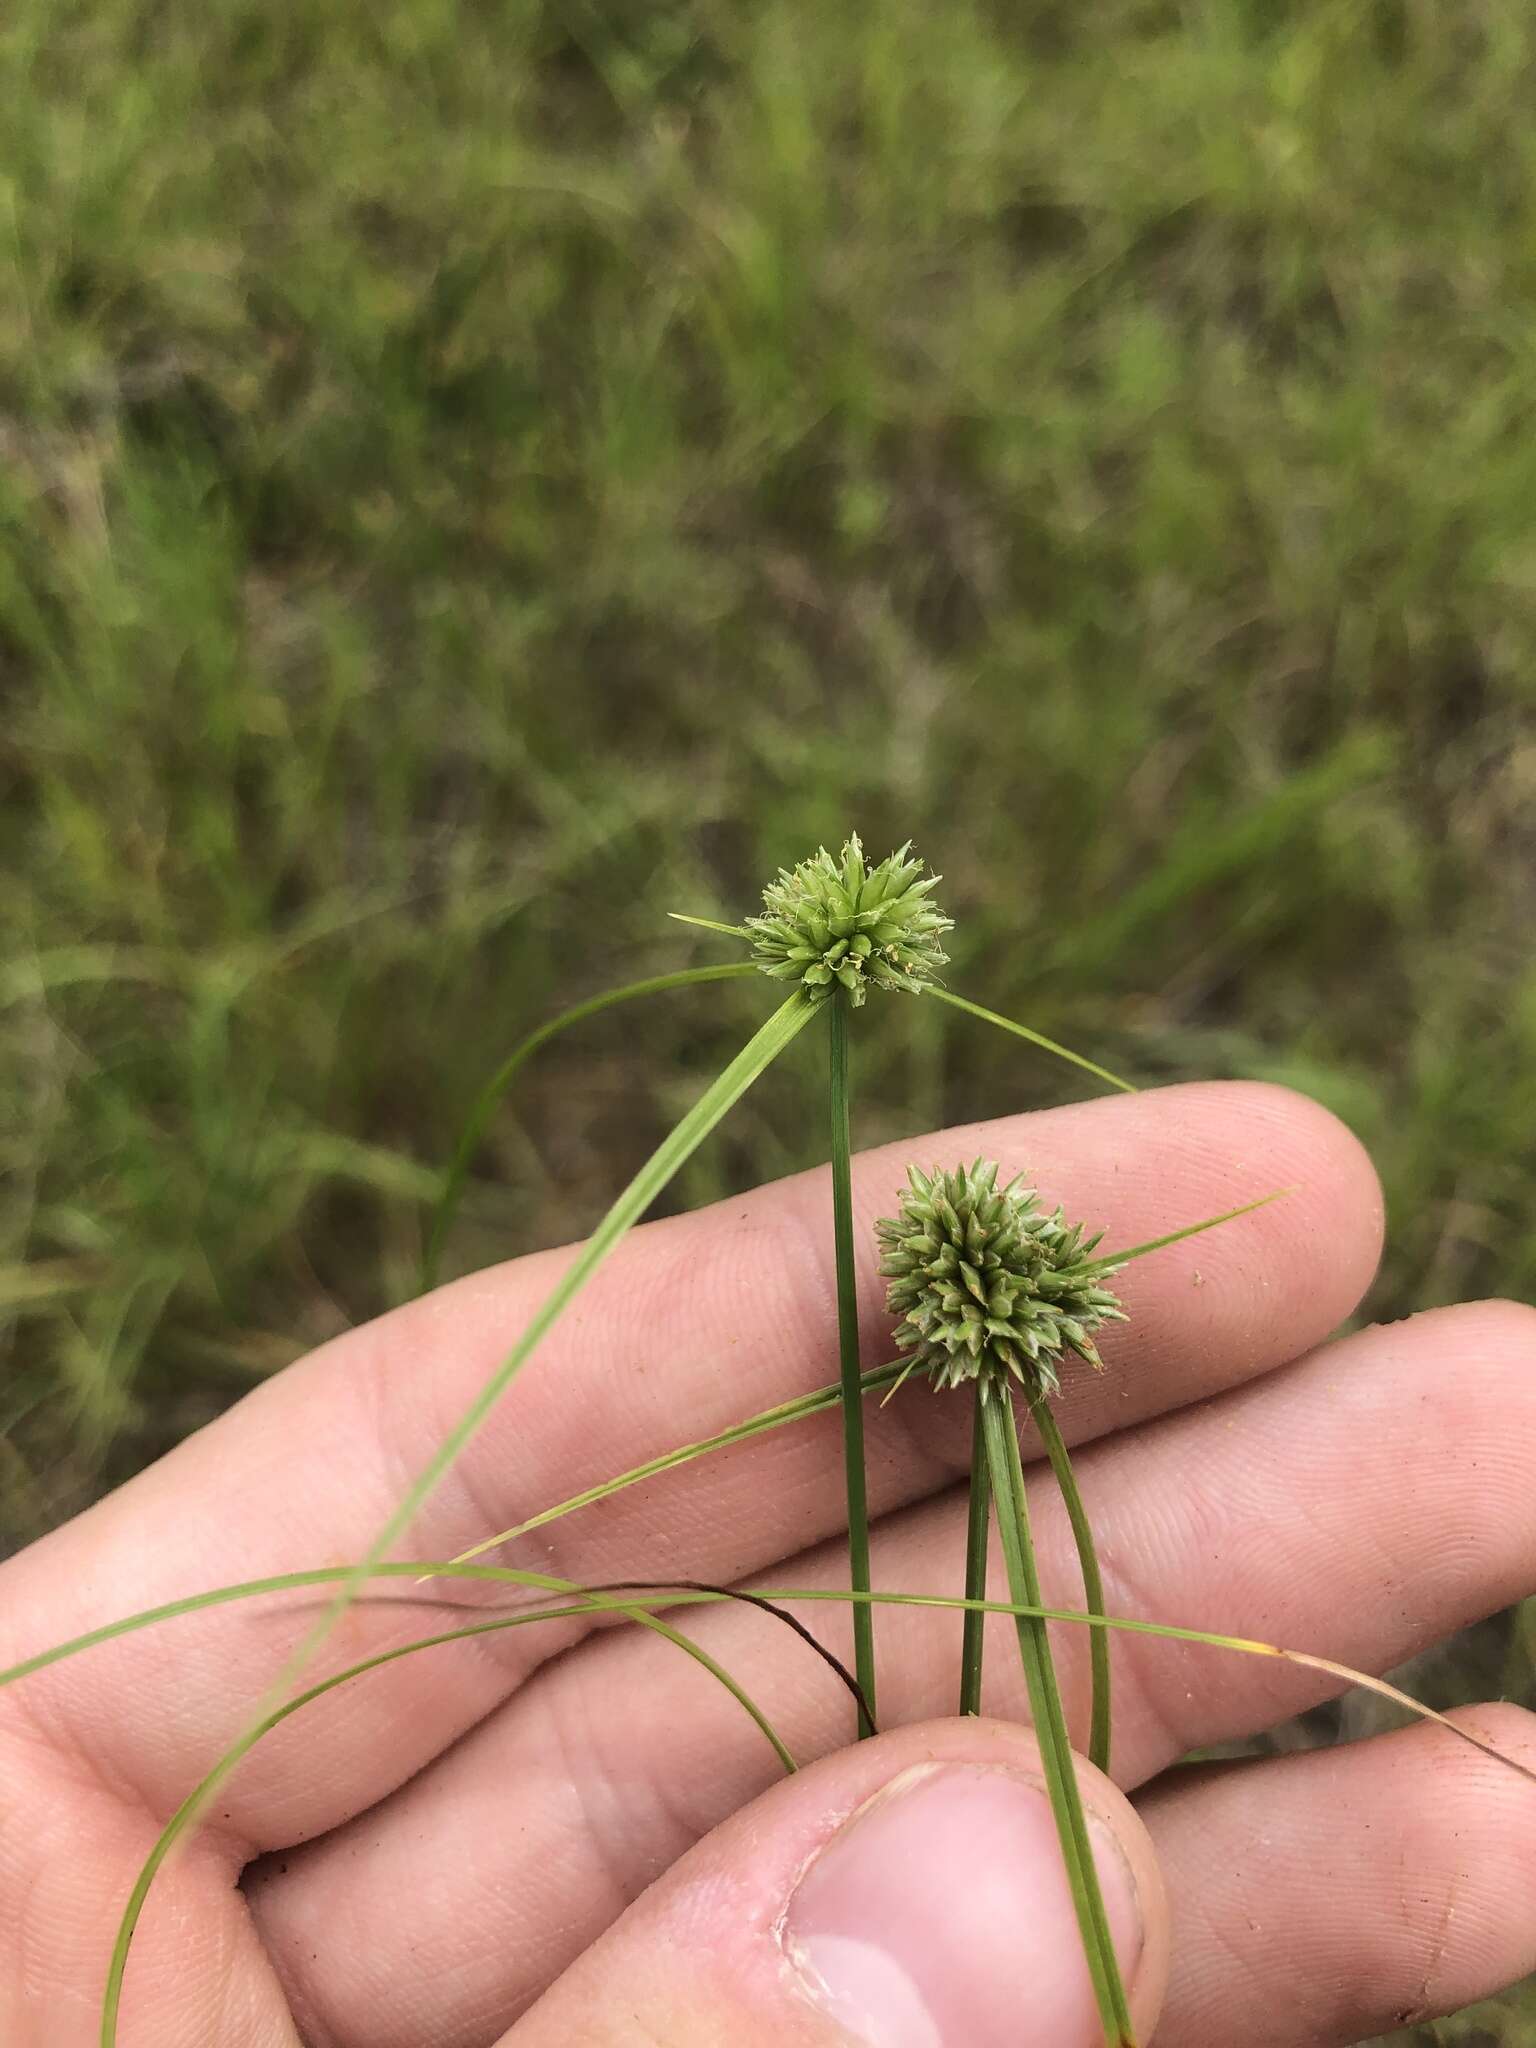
835, 923
988, 1284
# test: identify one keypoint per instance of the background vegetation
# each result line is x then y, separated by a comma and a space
473, 477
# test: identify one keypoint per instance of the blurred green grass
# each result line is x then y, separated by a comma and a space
474, 478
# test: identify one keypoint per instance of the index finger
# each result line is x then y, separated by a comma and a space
696, 1322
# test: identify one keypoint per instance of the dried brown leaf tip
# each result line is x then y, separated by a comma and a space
988, 1284
839, 923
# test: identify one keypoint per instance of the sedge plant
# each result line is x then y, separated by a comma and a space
989, 1290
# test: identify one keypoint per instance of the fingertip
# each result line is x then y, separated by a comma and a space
1511, 1731
1388, 1875
1503, 1326
1326, 1180
906, 1893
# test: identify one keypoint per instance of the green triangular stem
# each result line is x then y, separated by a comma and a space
850, 1383
977, 1528
1007, 1476
1093, 1582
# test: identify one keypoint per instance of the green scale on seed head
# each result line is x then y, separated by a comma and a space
837, 923
988, 1284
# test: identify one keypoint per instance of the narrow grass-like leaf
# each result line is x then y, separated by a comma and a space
594, 1597
1243, 1646
197, 1799
764, 1046
693, 1596
1093, 1581
1157, 1244
850, 1383
1007, 1477
977, 1527
764, 1605
713, 924
1061, 1052
477, 1123
771, 1418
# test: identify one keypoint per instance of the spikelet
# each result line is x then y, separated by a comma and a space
837, 923
988, 1284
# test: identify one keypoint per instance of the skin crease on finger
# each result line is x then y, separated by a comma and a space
706, 1957
1327, 1897
306, 1469
1353, 1564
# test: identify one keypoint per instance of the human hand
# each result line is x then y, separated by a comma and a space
569, 1833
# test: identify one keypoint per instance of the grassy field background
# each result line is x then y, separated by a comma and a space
473, 478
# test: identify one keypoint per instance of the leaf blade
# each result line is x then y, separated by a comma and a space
1036, 1038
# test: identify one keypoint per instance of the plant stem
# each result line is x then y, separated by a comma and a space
1050, 1723
694, 1595
1093, 1583
977, 1526
848, 1355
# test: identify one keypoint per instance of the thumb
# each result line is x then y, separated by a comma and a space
905, 1893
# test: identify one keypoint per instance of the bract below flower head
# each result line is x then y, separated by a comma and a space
841, 924
988, 1284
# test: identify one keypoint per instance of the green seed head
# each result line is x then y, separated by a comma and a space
837, 924
988, 1284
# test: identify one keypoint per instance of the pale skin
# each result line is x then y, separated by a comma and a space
568, 1834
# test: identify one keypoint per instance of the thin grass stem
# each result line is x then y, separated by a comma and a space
1093, 1581
850, 1381
1008, 1494
977, 1529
